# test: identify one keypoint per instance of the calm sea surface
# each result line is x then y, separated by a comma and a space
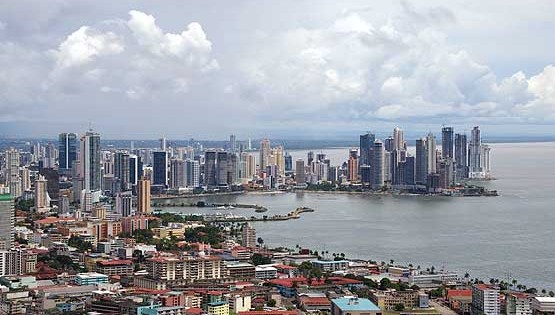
486, 236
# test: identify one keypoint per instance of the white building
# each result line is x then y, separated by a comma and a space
543, 305
485, 299
519, 303
265, 272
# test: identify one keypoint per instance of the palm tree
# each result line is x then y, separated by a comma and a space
391, 261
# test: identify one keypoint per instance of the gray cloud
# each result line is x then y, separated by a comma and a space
196, 72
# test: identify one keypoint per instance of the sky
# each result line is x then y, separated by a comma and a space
285, 69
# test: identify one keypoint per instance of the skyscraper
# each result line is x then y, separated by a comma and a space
398, 139
447, 142
143, 196
192, 173
264, 154
421, 163
378, 165
461, 159
353, 165
431, 157
288, 162
366, 147
177, 173
90, 161
232, 143
7, 221
13, 180
121, 169
42, 200
474, 153
248, 236
135, 169
67, 147
300, 172
160, 168
210, 168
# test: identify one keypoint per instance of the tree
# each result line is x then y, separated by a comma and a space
385, 283
271, 303
260, 241
399, 307
551, 293
544, 291
258, 259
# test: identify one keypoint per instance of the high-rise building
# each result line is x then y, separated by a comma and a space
160, 168
25, 175
232, 143
409, 170
288, 162
177, 173
378, 165
485, 300
13, 181
49, 159
366, 175
7, 221
67, 147
42, 200
421, 167
353, 165
475, 153
447, 142
461, 159
122, 169
431, 156
90, 161
398, 139
485, 161
123, 204
210, 168
163, 146
248, 236
366, 147
192, 173
310, 157
300, 174
143, 196
264, 154
135, 169
222, 168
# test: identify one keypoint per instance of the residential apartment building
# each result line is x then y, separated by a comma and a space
485, 299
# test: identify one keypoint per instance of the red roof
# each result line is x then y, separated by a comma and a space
194, 311
307, 300
114, 262
269, 313
285, 267
288, 282
465, 292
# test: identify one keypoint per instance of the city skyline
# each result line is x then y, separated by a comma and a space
139, 63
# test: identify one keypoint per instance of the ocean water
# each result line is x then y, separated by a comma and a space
488, 237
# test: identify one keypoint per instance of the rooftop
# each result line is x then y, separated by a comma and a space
6, 197
355, 304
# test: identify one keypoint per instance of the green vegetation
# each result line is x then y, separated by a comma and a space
24, 205
258, 259
271, 303
60, 262
399, 307
166, 217
79, 243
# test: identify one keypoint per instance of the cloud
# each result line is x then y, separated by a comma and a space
355, 68
388, 72
83, 45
